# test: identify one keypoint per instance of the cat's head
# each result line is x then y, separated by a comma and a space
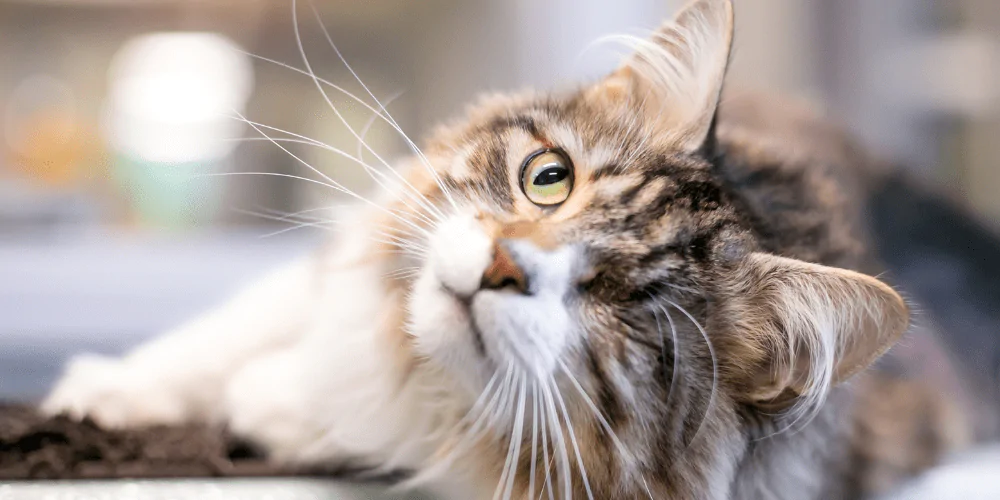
587, 267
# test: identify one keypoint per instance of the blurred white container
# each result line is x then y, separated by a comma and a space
169, 121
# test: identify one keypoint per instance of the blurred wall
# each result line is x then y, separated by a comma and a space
915, 79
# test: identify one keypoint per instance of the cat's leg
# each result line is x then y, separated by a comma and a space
344, 391
183, 375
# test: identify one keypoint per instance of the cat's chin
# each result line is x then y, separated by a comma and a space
475, 328
490, 333
525, 332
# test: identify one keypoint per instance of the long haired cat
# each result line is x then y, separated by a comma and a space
623, 291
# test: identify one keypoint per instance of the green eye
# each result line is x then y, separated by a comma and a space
547, 177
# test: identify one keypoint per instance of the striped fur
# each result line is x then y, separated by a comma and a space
690, 322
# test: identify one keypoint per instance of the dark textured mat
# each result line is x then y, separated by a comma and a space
36, 447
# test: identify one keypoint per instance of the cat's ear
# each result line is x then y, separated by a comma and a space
675, 77
797, 329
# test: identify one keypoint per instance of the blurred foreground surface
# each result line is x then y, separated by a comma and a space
242, 489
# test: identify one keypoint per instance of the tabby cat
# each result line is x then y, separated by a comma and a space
622, 291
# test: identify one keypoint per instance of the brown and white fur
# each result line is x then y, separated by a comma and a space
690, 322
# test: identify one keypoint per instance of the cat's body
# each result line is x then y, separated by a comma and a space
666, 314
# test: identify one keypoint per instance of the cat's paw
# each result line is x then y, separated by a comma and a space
113, 394
265, 405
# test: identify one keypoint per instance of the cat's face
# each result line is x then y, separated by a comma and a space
586, 267
567, 219
573, 256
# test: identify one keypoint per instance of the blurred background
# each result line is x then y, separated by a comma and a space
128, 201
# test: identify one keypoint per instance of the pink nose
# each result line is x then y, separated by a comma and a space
504, 272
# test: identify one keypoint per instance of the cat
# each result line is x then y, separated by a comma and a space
627, 290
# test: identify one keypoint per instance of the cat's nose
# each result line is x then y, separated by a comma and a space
504, 272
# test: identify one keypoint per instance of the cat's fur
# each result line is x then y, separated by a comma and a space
683, 326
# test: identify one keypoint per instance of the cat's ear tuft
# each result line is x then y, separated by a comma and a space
676, 76
797, 329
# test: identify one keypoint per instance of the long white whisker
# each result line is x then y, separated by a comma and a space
715, 368
597, 412
385, 112
646, 486
402, 231
547, 484
677, 357
534, 439
404, 272
474, 431
502, 420
518, 435
279, 216
344, 91
271, 174
333, 184
401, 240
326, 97
376, 175
572, 437
560, 442
371, 122
600, 417
301, 221
513, 449
292, 140
675, 372
299, 226
298, 213
507, 459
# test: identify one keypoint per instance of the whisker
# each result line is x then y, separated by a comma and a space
347, 93
601, 418
534, 438
500, 416
715, 368
506, 464
279, 216
474, 431
326, 97
403, 234
270, 174
676, 349
416, 150
371, 121
332, 183
403, 277
403, 242
560, 443
299, 226
514, 451
410, 246
593, 407
646, 486
572, 437
289, 216
518, 435
547, 484
677, 357
376, 175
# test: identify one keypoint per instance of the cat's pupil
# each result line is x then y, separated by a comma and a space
550, 175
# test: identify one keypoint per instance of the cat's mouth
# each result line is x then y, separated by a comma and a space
506, 326
464, 303
482, 302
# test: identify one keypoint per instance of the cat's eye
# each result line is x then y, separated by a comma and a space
547, 177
